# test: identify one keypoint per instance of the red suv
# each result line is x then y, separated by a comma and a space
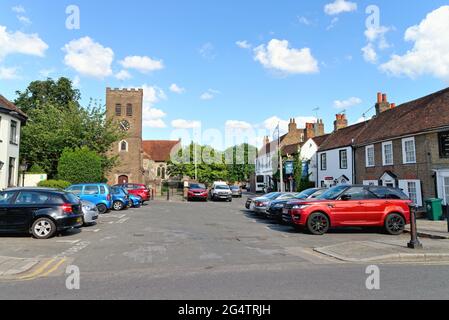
351, 206
136, 189
197, 191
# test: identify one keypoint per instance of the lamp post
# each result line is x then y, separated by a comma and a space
23, 169
414, 242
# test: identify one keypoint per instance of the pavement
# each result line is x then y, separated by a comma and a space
175, 250
432, 229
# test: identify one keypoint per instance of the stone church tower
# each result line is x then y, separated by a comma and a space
124, 106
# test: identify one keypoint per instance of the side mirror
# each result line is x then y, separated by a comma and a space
346, 197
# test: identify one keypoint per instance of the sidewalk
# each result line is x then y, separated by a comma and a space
431, 229
388, 251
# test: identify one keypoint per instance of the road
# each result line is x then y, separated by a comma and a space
206, 251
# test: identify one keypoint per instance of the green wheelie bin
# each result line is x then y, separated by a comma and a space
434, 209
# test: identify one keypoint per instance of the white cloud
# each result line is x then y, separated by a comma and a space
45, 73
153, 117
304, 21
209, 94
345, 104
243, 44
238, 125
18, 9
76, 82
207, 51
19, 42
152, 95
339, 6
142, 64
185, 124
89, 58
177, 89
278, 55
8, 73
430, 53
369, 53
24, 20
123, 75
334, 22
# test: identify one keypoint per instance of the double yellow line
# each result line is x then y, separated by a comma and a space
44, 270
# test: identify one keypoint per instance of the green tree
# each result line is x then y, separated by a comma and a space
240, 162
57, 121
80, 165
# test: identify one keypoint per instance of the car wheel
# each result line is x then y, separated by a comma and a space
395, 224
43, 228
118, 206
102, 208
318, 224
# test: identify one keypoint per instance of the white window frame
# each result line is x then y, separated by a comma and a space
325, 161
404, 152
367, 148
120, 147
384, 157
403, 184
345, 152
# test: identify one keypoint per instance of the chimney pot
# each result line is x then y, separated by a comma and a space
379, 97
393, 105
384, 98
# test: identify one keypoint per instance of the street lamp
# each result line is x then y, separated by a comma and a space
23, 168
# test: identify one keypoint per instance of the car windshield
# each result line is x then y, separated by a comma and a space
222, 187
332, 193
197, 186
235, 188
272, 196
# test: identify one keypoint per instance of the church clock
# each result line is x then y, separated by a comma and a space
124, 125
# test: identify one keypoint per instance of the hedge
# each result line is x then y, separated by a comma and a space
80, 166
54, 184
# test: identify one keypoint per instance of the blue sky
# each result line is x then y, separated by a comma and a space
291, 57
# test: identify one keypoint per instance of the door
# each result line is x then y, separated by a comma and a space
91, 193
351, 211
378, 199
5, 205
22, 211
123, 180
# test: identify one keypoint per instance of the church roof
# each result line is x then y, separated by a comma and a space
159, 150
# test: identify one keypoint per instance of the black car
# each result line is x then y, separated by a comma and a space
274, 212
41, 212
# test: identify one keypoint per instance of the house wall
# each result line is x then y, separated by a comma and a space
333, 167
309, 153
8, 150
428, 162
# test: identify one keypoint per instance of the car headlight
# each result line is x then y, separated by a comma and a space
300, 206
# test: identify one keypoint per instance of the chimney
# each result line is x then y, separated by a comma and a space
382, 104
393, 105
341, 122
292, 126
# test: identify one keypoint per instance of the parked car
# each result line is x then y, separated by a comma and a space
221, 191
261, 205
137, 189
97, 193
197, 191
250, 201
356, 206
120, 198
236, 191
90, 213
39, 211
275, 207
134, 201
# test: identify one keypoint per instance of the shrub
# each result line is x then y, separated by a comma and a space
36, 169
54, 184
81, 165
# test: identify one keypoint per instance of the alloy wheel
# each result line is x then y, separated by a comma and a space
395, 224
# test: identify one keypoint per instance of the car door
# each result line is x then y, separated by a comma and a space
91, 193
375, 207
6, 199
349, 208
22, 211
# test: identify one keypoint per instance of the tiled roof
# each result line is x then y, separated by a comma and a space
291, 149
6, 104
344, 137
320, 139
159, 150
424, 114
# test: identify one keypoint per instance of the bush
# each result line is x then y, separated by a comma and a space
81, 165
54, 184
36, 169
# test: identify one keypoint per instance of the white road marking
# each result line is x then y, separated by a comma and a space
68, 241
122, 220
91, 230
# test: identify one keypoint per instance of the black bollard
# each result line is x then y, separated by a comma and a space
447, 216
414, 242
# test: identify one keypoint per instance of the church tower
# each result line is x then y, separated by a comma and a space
124, 106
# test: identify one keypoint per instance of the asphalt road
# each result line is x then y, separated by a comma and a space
208, 251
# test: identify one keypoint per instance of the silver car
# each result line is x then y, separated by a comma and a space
236, 191
90, 212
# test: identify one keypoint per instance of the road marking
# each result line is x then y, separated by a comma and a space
122, 220
54, 268
68, 241
91, 230
38, 271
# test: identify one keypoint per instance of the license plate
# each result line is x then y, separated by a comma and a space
285, 211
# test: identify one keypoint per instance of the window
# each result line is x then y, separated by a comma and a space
388, 193
387, 153
118, 110
408, 150
357, 193
129, 110
11, 171
443, 139
33, 198
76, 190
370, 156
13, 138
446, 188
323, 161
343, 159
90, 190
102, 190
158, 172
5, 197
412, 192
123, 146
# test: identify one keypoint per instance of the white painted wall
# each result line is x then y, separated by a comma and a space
8, 150
31, 179
309, 153
333, 166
